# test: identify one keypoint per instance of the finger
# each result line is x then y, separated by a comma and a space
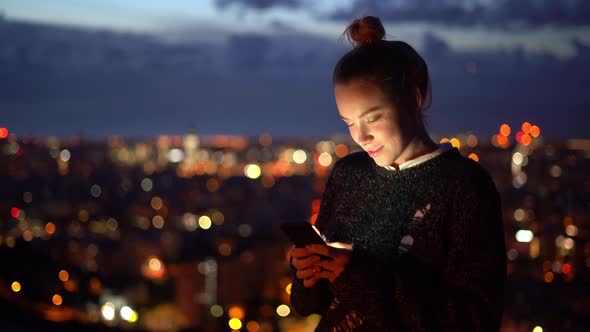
299, 252
320, 249
331, 253
325, 274
306, 273
303, 263
309, 261
310, 282
331, 265
294, 251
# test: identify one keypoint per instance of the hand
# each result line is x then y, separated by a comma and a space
338, 257
306, 264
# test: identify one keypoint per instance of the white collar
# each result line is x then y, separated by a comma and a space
442, 148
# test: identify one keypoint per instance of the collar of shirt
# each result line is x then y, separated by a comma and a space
442, 148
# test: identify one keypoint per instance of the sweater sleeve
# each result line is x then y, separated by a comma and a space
465, 295
318, 298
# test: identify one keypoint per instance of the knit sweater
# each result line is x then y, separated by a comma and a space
428, 248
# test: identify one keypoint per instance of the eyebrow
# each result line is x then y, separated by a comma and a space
370, 110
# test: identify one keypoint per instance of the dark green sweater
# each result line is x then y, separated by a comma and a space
429, 251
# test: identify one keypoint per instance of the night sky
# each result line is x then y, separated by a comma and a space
143, 68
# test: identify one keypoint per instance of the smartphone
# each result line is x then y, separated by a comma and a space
302, 233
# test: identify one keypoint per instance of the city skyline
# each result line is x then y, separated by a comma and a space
132, 235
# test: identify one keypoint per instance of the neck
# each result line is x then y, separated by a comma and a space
418, 146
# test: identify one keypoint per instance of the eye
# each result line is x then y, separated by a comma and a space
375, 119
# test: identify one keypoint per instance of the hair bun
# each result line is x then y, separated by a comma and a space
367, 30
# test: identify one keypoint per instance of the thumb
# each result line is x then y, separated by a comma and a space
340, 245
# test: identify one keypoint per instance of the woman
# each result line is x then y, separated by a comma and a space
424, 222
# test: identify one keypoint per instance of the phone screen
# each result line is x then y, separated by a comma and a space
302, 233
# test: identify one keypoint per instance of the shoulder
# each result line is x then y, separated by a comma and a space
352, 167
356, 160
468, 175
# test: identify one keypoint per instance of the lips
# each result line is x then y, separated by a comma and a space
373, 153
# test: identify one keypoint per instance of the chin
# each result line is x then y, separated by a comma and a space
382, 162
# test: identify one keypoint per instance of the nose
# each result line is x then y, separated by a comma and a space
363, 136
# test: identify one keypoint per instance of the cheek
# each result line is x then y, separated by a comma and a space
386, 130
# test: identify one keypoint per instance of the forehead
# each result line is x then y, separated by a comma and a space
354, 98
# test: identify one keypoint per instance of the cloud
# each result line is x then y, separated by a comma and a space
259, 4
248, 51
497, 13
62, 80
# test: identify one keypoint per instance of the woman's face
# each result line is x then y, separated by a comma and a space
374, 122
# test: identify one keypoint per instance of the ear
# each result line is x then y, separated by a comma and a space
418, 99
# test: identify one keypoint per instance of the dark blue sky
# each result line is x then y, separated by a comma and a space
249, 67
